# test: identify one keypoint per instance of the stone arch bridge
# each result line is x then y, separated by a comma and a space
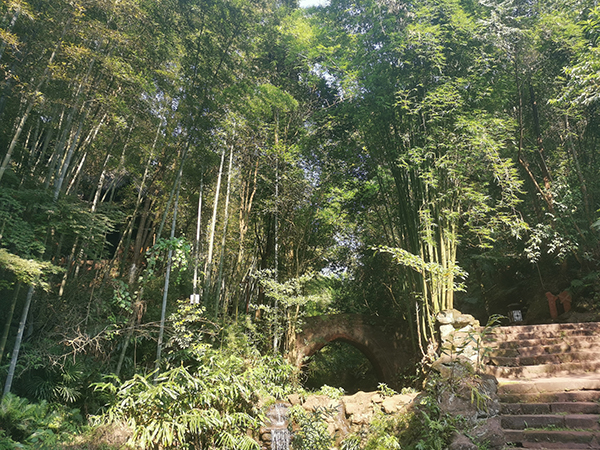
385, 343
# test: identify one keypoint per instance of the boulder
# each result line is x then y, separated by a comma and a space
470, 396
358, 403
396, 403
447, 317
322, 402
295, 399
491, 433
456, 319
461, 442
378, 399
452, 367
465, 320
446, 332
359, 407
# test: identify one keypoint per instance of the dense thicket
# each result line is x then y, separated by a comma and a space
266, 162
464, 138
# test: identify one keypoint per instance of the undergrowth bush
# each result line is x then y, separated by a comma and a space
311, 433
383, 433
427, 427
211, 405
423, 427
35, 425
184, 408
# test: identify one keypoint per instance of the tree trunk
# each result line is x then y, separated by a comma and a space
248, 192
195, 296
163, 313
18, 340
48, 134
89, 139
70, 263
211, 239
9, 318
276, 262
224, 239
10, 27
583, 187
8, 85
138, 202
16, 136
139, 241
140, 292
65, 166
546, 192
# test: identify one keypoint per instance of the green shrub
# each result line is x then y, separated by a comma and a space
383, 434
211, 406
427, 428
34, 425
6, 443
312, 431
181, 408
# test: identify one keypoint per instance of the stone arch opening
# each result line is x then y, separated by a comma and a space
342, 363
382, 342
354, 343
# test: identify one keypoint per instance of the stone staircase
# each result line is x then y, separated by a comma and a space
549, 384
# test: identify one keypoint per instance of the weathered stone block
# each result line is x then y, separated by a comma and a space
396, 403
314, 402
461, 442
295, 399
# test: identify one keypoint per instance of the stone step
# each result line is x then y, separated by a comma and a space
551, 331
549, 397
539, 331
553, 439
537, 339
581, 382
549, 345
588, 422
554, 327
570, 407
582, 388
543, 358
543, 370
551, 446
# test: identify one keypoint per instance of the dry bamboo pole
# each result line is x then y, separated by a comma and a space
194, 299
17, 347
163, 313
224, 238
9, 317
211, 239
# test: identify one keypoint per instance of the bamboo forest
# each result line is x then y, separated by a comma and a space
217, 213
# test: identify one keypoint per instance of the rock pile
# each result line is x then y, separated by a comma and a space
461, 390
349, 413
459, 341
